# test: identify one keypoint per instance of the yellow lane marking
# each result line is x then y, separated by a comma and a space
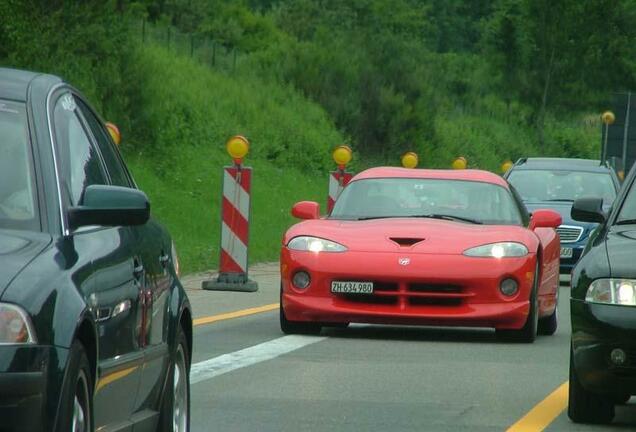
105, 380
544, 413
235, 314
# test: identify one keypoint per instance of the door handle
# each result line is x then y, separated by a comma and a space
138, 271
163, 259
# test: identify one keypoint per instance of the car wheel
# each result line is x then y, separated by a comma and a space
77, 395
175, 410
586, 407
527, 333
548, 325
295, 327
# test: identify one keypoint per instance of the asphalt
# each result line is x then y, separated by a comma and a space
370, 378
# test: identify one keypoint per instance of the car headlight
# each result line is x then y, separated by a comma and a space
612, 291
498, 250
314, 244
15, 326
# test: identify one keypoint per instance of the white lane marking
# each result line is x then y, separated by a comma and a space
249, 356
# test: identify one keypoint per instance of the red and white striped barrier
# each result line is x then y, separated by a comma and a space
235, 217
337, 181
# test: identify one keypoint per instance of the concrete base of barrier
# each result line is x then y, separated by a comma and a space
224, 285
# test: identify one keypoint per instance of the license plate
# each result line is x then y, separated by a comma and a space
346, 287
566, 252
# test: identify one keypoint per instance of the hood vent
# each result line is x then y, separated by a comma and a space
406, 241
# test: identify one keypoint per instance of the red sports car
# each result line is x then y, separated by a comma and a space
423, 247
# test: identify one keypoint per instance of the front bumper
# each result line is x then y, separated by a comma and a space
23, 377
448, 290
597, 330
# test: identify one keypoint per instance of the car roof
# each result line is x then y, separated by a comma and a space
564, 164
438, 174
14, 83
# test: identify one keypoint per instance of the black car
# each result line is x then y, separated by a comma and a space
556, 183
603, 307
95, 327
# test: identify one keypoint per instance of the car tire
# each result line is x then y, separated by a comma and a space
586, 407
296, 327
548, 325
76, 403
175, 408
621, 399
527, 333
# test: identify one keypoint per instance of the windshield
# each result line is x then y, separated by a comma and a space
17, 197
405, 197
557, 185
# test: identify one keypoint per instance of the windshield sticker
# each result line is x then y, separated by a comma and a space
68, 103
5, 108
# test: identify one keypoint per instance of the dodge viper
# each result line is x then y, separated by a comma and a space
422, 247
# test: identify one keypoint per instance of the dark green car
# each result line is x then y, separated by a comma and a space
603, 304
95, 327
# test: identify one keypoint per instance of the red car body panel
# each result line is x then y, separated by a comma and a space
438, 286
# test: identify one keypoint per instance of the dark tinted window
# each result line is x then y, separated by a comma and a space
18, 204
113, 163
79, 161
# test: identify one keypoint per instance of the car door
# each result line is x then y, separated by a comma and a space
151, 247
113, 287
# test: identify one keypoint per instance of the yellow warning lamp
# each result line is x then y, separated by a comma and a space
410, 160
460, 163
342, 156
608, 117
506, 166
114, 132
621, 175
237, 147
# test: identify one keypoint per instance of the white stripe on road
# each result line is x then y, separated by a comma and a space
249, 356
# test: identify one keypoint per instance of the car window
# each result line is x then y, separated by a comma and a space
79, 162
18, 204
560, 185
405, 197
114, 165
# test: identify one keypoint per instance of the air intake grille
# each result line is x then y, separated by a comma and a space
569, 234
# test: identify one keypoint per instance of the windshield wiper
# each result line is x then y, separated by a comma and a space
429, 216
450, 218
363, 218
626, 222
560, 200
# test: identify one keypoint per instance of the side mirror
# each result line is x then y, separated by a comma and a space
110, 206
306, 210
588, 210
545, 219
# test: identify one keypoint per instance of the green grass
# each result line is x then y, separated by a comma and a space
189, 111
176, 149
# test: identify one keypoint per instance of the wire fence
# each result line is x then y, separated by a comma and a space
199, 47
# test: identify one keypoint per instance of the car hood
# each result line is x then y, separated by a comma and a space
621, 249
17, 249
427, 236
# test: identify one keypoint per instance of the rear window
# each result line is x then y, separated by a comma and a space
18, 205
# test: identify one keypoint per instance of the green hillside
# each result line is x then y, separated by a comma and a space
487, 80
